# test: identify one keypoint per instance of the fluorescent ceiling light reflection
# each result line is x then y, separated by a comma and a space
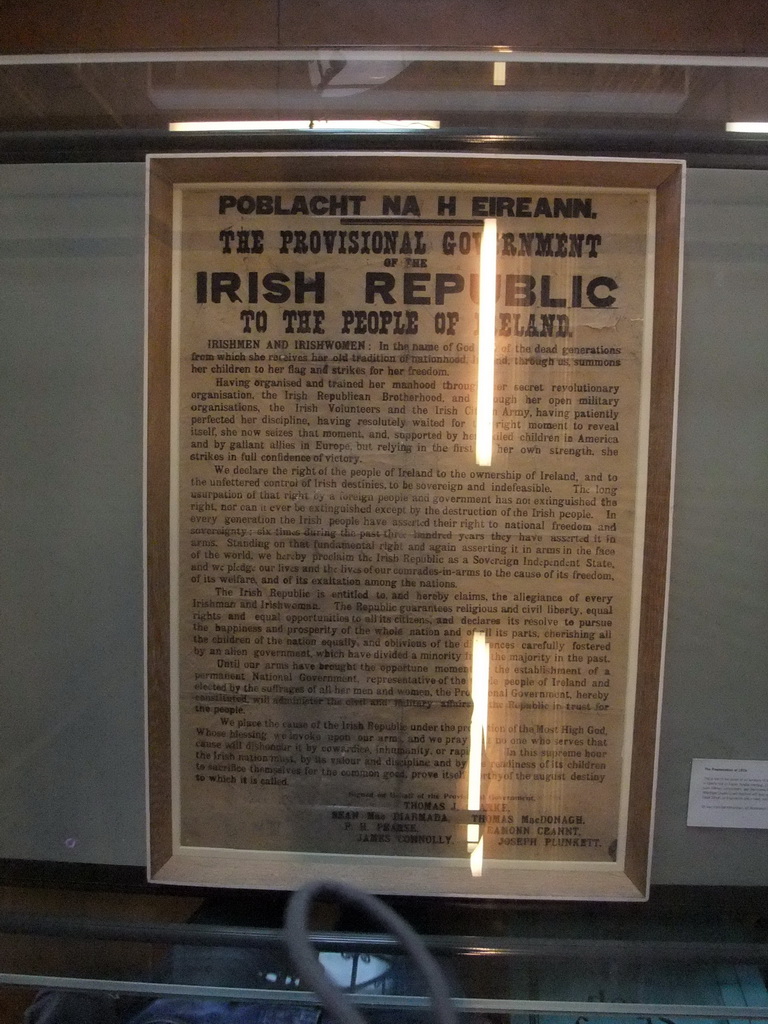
302, 126
486, 344
476, 860
756, 127
481, 663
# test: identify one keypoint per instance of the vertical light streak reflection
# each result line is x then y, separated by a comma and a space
476, 860
481, 665
486, 344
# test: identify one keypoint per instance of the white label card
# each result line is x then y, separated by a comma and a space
728, 794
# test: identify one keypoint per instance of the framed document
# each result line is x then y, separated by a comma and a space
409, 449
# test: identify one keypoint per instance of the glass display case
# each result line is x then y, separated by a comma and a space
685, 955
76, 915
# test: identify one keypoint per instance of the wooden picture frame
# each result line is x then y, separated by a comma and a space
375, 651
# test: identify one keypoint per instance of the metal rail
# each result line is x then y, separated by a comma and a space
614, 950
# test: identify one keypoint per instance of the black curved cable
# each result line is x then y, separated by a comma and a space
311, 972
